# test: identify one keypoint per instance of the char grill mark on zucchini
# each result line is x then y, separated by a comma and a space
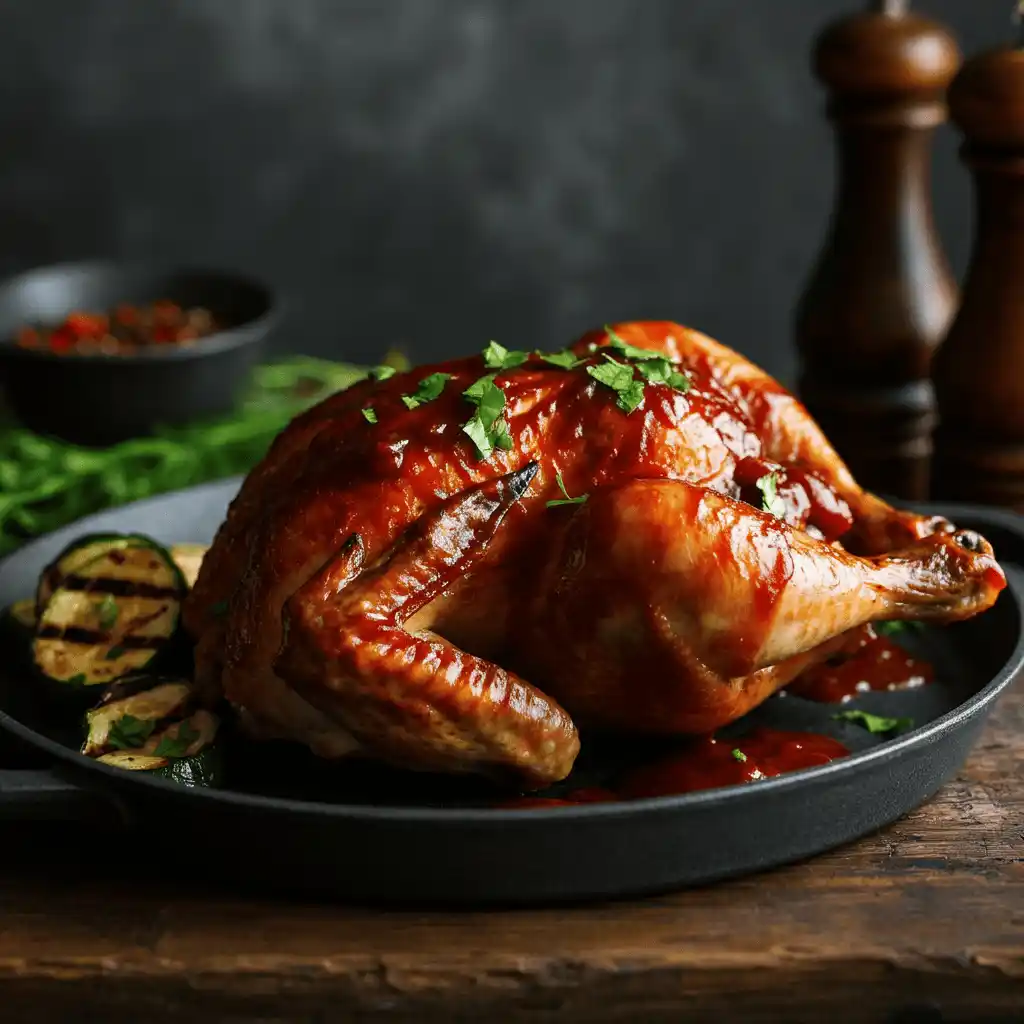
117, 587
109, 615
76, 555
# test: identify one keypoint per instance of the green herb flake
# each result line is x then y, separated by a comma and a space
114, 653
488, 398
564, 360
502, 438
478, 434
631, 396
369, 415
219, 609
129, 732
679, 381
877, 725
566, 500
619, 377
629, 351
177, 746
892, 627
475, 392
77, 680
770, 500
486, 428
497, 357
662, 371
427, 390
382, 372
738, 755
107, 612
613, 374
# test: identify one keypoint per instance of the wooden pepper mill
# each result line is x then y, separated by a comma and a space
882, 295
979, 369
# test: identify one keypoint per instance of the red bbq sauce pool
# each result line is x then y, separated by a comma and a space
868, 662
708, 763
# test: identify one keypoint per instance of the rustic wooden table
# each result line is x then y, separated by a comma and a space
922, 922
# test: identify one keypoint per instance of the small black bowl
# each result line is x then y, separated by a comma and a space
102, 399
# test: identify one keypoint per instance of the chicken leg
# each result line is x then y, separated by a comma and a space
674, 594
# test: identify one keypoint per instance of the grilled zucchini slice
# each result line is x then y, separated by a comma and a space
203, 769
108, 615
77, 554
129, 721
151, 724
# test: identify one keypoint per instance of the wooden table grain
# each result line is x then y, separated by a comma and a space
922, 922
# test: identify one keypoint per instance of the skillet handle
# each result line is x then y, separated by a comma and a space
35, 793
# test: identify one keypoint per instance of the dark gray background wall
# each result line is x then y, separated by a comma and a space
439, 172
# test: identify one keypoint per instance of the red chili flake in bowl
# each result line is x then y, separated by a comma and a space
124, 330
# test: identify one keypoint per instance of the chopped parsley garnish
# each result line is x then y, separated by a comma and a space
427, 390
564, 360
369, 415
630, 397
653, 367
619, 377
893, 626
629, 351
878, 725
78, 680
660, 370
382, 372
107, 612
770, 500
219, 609
177, 746
486, 428
497, 357
566, 500
738, 755
114, 653
129, 732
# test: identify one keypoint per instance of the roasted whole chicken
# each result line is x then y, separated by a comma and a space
453, 568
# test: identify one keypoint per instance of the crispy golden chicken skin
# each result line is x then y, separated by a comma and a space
414, 574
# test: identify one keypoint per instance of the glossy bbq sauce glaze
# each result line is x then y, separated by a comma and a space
869, 661
708, 763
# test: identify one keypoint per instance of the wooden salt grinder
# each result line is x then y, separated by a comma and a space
881, 295
979, 369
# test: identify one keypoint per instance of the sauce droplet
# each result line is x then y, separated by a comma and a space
869, 662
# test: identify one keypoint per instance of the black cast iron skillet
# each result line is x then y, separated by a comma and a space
287, 822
